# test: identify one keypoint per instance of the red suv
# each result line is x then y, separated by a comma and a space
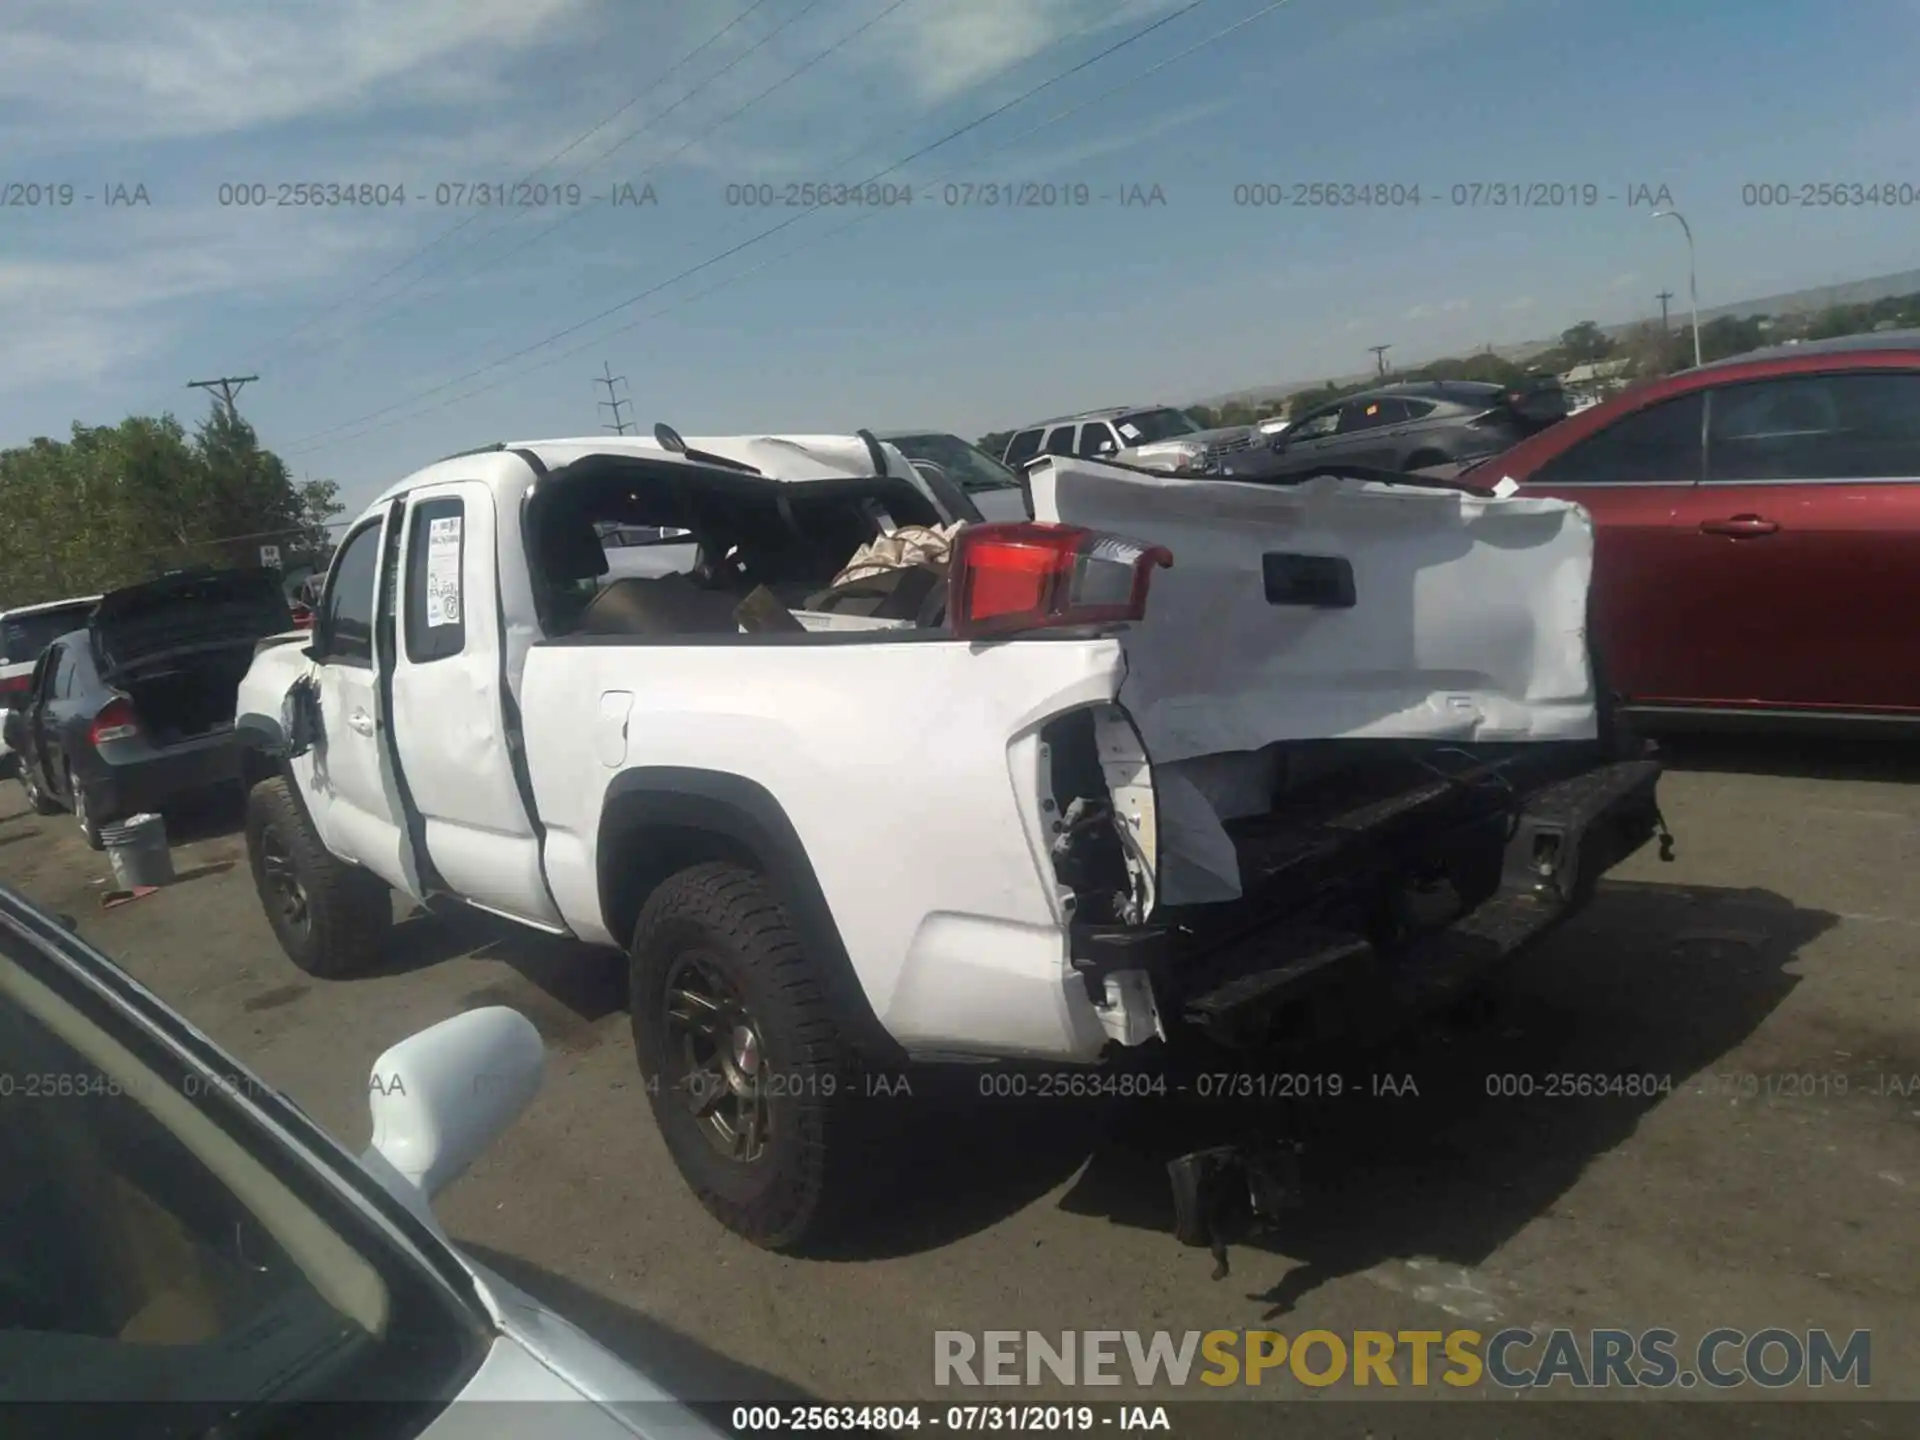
1757, 532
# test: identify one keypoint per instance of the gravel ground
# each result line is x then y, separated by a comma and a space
1766, 971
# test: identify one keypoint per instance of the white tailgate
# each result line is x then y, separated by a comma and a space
1469, 621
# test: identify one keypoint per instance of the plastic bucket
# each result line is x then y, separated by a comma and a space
137, 848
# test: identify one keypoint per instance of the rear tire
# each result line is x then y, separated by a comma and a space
89, 827
42, 803
330, 917
729, 1022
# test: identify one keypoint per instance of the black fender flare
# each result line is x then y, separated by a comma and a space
262, 736
744, 815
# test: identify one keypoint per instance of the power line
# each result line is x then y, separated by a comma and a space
619, 426
798, 216
539, 169
859, 219
632, 135
570, 216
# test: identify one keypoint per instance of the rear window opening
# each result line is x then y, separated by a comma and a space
703, 543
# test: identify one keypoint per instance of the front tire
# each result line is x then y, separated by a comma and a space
749, 1079
330, 917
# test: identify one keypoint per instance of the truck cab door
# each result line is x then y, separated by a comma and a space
347, 778
455, 729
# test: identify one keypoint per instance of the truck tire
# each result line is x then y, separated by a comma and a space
722, 998
330, 917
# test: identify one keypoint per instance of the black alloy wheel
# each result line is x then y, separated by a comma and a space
719, 1055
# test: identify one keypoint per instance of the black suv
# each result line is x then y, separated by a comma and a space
1408, 426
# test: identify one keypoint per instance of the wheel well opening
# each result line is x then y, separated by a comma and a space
256, 765
644, 857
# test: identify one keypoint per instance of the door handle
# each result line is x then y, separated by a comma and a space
360, 722
1740, 526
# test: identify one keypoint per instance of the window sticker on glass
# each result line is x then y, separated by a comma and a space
1131, 431
443, 572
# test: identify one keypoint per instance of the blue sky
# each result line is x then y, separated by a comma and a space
960, 317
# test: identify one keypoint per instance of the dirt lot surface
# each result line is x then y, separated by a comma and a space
1767, 979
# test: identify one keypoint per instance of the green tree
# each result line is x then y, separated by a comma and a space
116, 504
1584, 344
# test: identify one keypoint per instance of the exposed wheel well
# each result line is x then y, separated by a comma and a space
256, 765
644, 857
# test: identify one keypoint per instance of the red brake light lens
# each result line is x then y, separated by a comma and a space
116, 721
1036, 575
15, 687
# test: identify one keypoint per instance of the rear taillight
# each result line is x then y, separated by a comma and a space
15, 687
1036, 575
116, 721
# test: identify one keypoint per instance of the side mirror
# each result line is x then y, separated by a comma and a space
441, 1097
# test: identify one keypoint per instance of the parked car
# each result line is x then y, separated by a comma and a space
989, 484
25, 632
136, 710
188, 1254
1157, 437
1406, 427
1100, 822
1757, 533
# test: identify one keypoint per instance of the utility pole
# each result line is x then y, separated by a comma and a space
1379, 353
1663, 297
228, 386
619, 426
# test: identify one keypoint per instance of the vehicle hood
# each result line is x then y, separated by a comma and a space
188, 611
1342, 609
1199, 438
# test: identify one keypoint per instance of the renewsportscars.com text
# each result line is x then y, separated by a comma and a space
1514, 1359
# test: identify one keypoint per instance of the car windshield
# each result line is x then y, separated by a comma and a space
160, 1243
1150, 427
23, 637
972, 468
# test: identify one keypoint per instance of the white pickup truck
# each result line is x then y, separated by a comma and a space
1293, 751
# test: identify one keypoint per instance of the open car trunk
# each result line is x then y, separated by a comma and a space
190, 695
178, 646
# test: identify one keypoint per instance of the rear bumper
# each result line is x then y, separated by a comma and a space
131, 787
1307, 955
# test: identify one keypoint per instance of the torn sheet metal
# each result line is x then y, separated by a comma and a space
1457, 616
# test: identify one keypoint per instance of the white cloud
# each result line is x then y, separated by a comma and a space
1419, 312
122, 287
946, 50
125, 69
1621, 282
1455, 307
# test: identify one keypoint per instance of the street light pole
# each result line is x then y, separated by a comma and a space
1693, 290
